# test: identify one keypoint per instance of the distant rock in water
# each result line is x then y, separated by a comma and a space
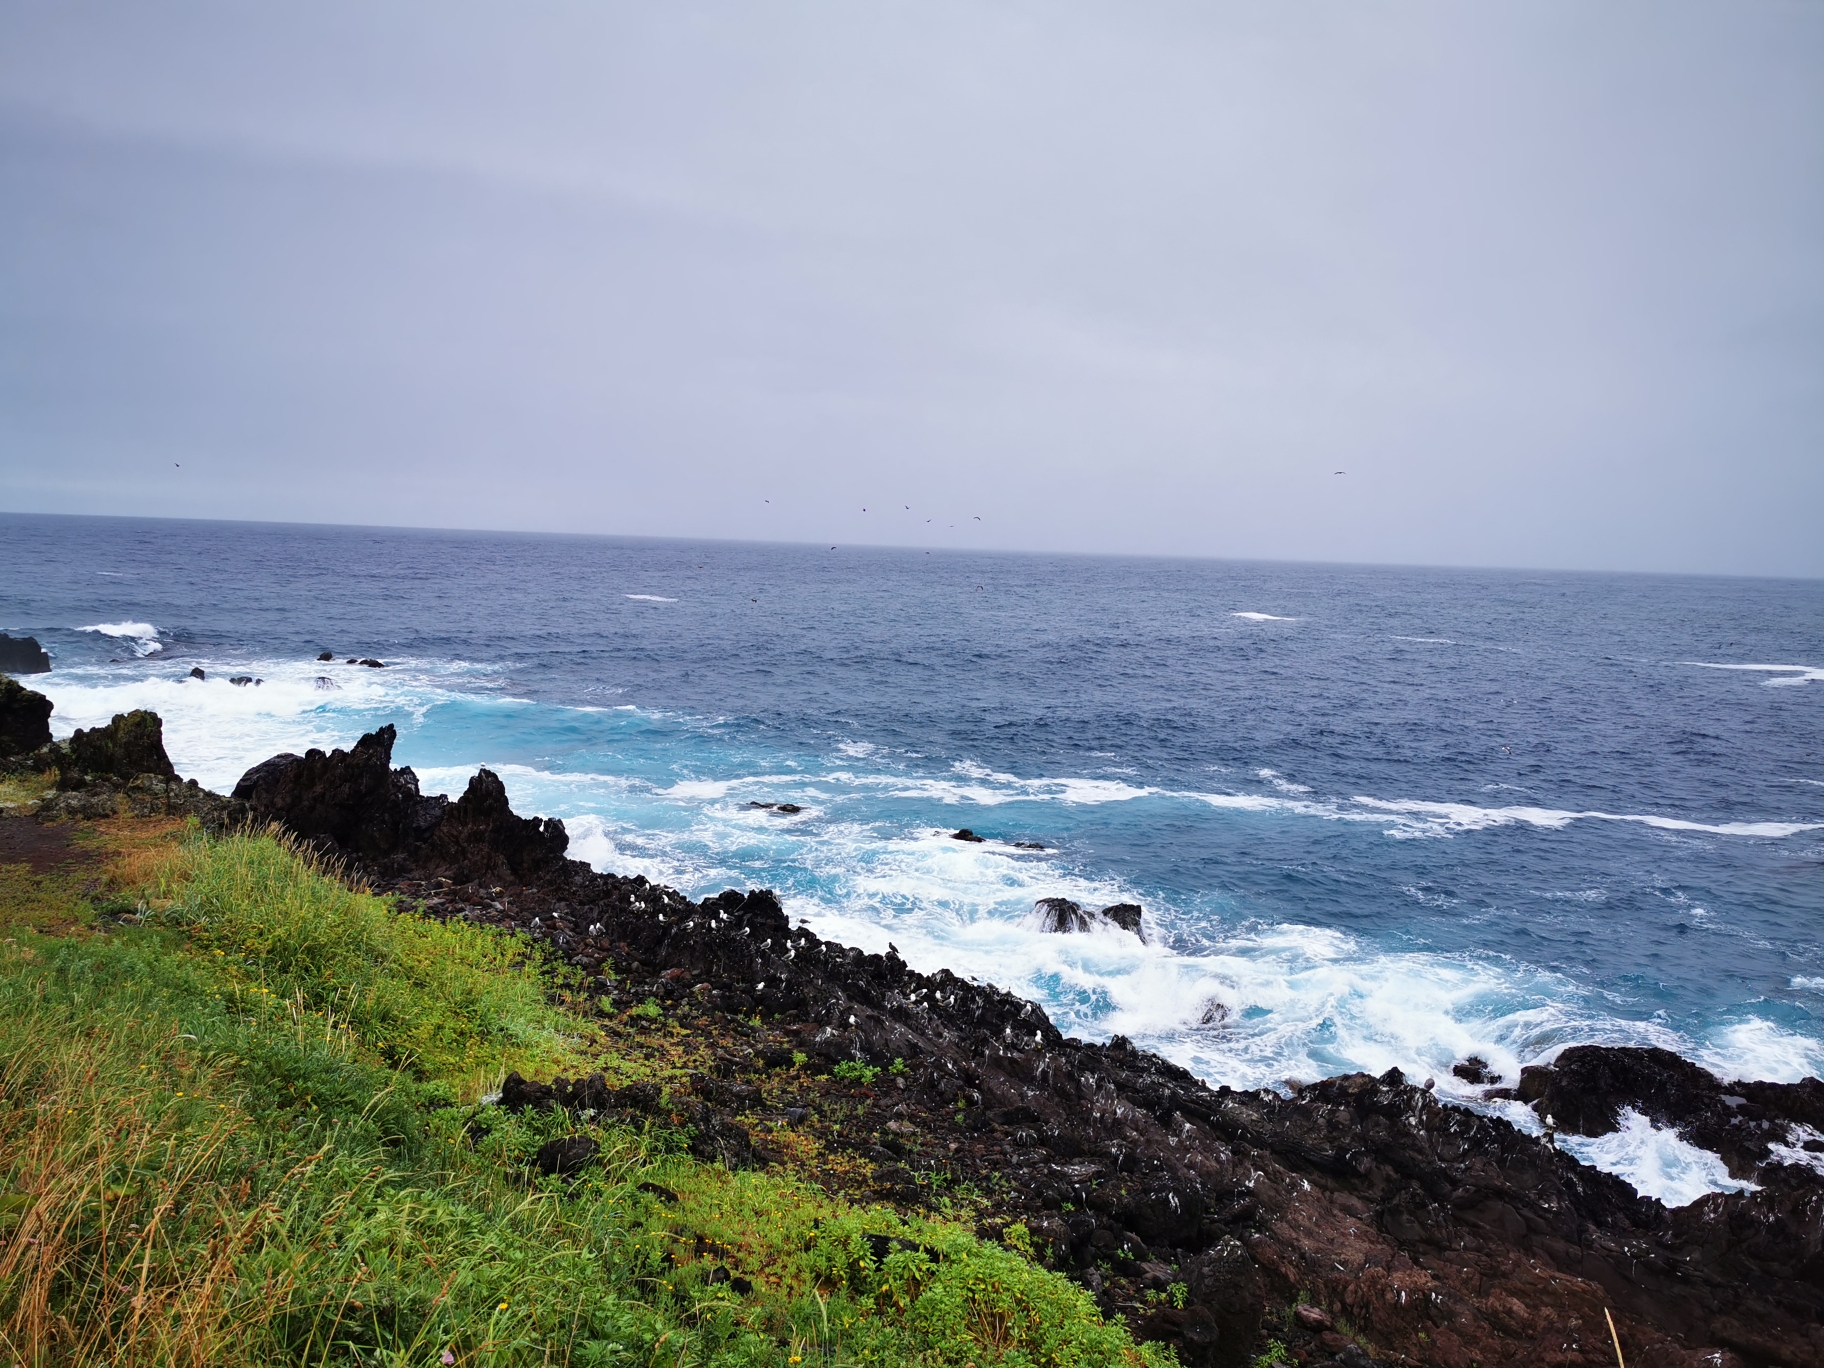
787, 808
967, 835
354, 804
326, 655
1029, 845
372, 664
196, 672
1475, 1070
23, 655
1061, 916
25, 720
325, 682
241, 681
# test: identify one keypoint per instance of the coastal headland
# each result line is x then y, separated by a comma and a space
1351, 1221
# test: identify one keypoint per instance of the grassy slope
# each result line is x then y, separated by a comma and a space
246, 1130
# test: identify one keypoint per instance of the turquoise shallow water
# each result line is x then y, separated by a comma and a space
1381, 816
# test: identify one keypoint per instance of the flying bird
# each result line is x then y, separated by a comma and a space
978, 517
1342, 472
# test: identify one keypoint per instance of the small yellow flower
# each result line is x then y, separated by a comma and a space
503, 1306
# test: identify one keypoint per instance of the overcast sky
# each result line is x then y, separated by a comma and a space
1545, 279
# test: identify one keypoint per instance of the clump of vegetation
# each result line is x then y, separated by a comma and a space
241, 1125
854, 1071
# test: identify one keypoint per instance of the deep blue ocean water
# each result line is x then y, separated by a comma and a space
1381, 816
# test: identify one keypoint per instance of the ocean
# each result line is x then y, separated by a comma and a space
1376, 816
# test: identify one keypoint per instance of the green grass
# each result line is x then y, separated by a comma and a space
247, 1131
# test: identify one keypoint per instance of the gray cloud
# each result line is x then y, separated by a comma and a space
1545, 279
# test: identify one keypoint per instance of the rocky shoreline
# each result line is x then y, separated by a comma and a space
1354, 1221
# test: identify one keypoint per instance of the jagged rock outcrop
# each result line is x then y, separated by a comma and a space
1750, 1125
25, 721
23, 655
354, 804
123, 768
131, 745
1061, 916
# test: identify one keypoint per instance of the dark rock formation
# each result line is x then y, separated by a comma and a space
196, 672
354, 804
1061, 916
25, 721
326, 655
349, 803
23, 655
1587, 1087
566, 1157
967, 835
1475, 1070
122, 768
1441, 1236
131, 745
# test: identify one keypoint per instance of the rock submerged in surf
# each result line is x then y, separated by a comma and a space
967, 835
1061, 916
789, 809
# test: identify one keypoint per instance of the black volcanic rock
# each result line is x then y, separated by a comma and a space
25, 720
1586, 1088
566, 1157
351, 803
23, 655
480, 838
131, 745
1061, 916
354, 804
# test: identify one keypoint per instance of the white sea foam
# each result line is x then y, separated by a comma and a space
1759, 1049
1283, 785
1789, 674
141, 636
1793, 1151
1428, 641
1263, 617
1457, 817
649, 598
1657, 1162
1816, 985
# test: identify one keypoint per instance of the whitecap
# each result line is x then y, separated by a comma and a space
1803, 981
1463, 817
1790, 674
1283, 785
143, 636
1656, 1162
649, 598
1428, 641
1759, 1049
1263, 617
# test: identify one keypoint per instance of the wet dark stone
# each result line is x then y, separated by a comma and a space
131, 745
1475, 1070
23, 655
566, 1157
25, 720
967, 835
196, 672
